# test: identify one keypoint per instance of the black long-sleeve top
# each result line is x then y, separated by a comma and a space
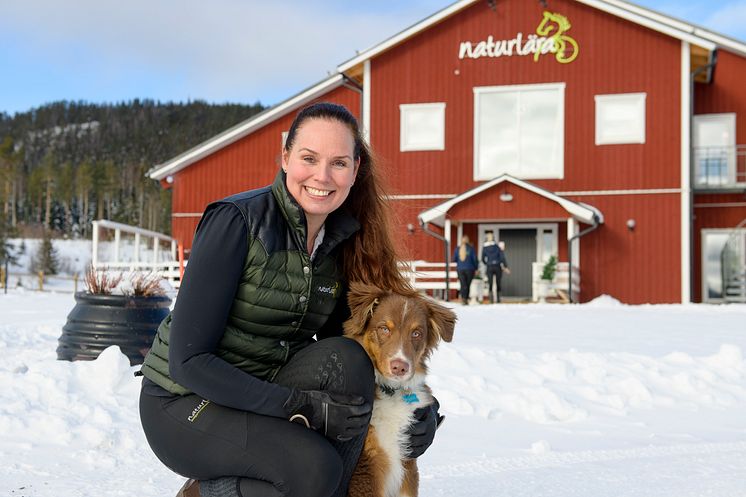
200, 315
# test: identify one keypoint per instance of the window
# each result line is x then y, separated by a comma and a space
519, 130
714, 144
620, 118
423, 126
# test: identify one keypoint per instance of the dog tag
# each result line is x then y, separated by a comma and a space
410, 398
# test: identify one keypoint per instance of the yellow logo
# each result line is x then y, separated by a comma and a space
552, 28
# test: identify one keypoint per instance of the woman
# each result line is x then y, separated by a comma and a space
466, 265
237, 394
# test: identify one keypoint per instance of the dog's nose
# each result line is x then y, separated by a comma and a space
399, 367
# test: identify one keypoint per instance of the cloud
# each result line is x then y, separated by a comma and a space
222, 47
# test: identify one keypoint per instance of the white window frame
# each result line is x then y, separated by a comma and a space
729, 119
438, 142
558, 168
633, 135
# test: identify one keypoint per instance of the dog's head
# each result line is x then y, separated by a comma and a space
399, 332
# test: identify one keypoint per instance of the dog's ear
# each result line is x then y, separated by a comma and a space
441, 319
362, 299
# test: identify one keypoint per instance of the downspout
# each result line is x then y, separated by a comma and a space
596, 224
427, 230
692, 167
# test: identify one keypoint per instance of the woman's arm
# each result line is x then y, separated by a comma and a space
201, 313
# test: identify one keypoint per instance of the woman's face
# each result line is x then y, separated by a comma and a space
320, 167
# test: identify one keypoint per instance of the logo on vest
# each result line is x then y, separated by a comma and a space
197, 410
332, 291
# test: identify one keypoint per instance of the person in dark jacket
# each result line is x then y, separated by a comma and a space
250, 389
466, 266
495, 262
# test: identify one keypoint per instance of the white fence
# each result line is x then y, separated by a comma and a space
558, 286
124, 247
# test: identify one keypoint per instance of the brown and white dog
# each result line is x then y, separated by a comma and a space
399, 332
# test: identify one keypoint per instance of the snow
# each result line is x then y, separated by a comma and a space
602, 399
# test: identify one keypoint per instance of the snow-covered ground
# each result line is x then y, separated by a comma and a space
598, 400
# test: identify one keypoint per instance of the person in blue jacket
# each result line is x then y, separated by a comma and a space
494, 259
466, 266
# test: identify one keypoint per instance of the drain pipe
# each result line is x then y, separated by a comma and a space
443, 239
596, 224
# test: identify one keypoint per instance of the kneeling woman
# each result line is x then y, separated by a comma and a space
237, 395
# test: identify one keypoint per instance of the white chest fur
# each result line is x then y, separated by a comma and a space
391, 417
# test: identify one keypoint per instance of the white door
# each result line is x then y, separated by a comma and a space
714, 149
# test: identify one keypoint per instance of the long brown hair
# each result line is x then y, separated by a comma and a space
369, 256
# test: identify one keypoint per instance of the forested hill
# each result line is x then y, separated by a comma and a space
67, 163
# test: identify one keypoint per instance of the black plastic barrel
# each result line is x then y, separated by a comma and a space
99, 321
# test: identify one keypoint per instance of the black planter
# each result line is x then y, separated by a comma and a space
99, 321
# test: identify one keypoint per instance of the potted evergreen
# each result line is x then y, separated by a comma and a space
548, 273
114, 310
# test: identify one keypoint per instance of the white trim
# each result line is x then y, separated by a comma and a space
366, 100
438, 142
403, 35
483, 227
686, 174
242, 129
632, 134
187, 214
648, 19
583, 212
426, 196
652, 191
560, 143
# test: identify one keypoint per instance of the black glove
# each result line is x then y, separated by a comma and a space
337, 416
422, 431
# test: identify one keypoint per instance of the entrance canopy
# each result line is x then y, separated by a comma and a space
525, 207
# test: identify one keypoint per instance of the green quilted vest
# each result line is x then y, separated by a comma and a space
283, 297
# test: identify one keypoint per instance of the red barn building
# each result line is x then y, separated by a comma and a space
595, 130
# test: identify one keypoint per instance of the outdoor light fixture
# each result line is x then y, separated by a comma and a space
506, 197
631, 223
410, 228
169, 179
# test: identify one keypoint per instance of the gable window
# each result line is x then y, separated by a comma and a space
422, 126
519, 130
620, 118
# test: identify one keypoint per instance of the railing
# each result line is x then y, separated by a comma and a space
733, 265
558, 286
720, 167
123, 247
425, 276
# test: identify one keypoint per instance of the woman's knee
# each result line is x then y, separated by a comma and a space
357, 364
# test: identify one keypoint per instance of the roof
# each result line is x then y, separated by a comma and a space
656, 21
244, 128
583, 212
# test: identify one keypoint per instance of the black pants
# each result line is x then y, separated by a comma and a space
495, 272
273, 457
464, 278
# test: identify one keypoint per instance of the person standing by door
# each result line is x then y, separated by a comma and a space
494, 259
466, 265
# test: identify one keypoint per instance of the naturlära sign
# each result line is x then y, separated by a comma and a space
550, 38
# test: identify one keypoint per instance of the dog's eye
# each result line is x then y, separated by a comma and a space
416, 334
384, 330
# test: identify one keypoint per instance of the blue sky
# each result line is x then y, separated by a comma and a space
219, 51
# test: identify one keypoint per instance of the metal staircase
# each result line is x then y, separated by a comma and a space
733, 264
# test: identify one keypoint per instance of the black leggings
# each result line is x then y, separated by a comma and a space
464, 279
272, 457
495, 272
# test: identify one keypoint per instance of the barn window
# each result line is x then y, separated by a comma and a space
620, 118
519, 130
422, 126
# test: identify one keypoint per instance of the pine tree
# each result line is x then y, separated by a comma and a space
7, 253
46, 259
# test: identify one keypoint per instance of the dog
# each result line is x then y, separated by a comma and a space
399, 333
